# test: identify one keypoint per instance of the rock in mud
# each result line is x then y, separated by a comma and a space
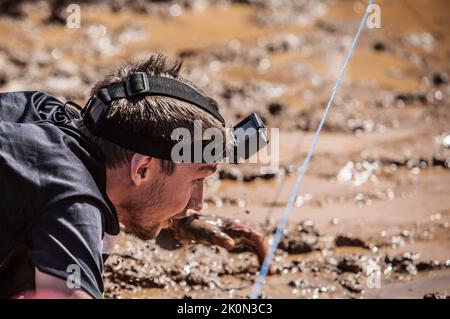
351, 284
404, 263
350, 264
348, 241
299, 247
304, 238
429, 265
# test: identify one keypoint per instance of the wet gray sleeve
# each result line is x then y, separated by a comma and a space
66, 241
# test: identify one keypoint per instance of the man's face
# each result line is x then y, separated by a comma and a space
152, 205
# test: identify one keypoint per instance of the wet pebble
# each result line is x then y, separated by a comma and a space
351, 284
334, 221
299, 283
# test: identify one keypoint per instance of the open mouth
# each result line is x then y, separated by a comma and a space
168, 223
185, 214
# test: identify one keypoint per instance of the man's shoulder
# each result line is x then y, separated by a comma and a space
45, 156
32, 106
55, 164
33, 96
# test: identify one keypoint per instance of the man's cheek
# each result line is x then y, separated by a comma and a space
179, 196
179, 202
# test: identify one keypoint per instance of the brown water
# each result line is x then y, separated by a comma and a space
387, 118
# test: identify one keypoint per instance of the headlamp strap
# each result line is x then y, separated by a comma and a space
141, 84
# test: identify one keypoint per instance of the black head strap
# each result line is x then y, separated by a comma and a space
137, 85
141, 84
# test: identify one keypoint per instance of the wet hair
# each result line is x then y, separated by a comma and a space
149, 115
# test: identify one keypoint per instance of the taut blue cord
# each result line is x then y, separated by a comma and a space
276, 240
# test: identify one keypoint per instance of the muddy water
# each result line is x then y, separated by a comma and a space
377, 189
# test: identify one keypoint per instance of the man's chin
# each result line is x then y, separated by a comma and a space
144, 233
149, 233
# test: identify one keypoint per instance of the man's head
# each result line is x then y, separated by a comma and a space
146, 191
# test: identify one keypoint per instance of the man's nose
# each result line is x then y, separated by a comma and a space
196, 201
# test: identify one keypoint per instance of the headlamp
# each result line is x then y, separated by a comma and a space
246, 138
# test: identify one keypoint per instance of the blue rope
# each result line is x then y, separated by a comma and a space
276, 240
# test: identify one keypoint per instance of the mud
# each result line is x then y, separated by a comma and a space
372, 219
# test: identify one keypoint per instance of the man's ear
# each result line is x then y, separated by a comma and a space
142, 168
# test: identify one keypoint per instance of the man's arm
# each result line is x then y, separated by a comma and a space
224, 232
66, 241
53, 287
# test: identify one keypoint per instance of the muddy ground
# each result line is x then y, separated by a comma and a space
372, 219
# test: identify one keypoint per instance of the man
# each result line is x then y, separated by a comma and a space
64, 190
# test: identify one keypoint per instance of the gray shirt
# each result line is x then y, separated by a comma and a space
53, 203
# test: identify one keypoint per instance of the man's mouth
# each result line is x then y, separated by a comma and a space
168, 223
184, 214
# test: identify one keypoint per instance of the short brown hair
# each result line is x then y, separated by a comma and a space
149, 115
